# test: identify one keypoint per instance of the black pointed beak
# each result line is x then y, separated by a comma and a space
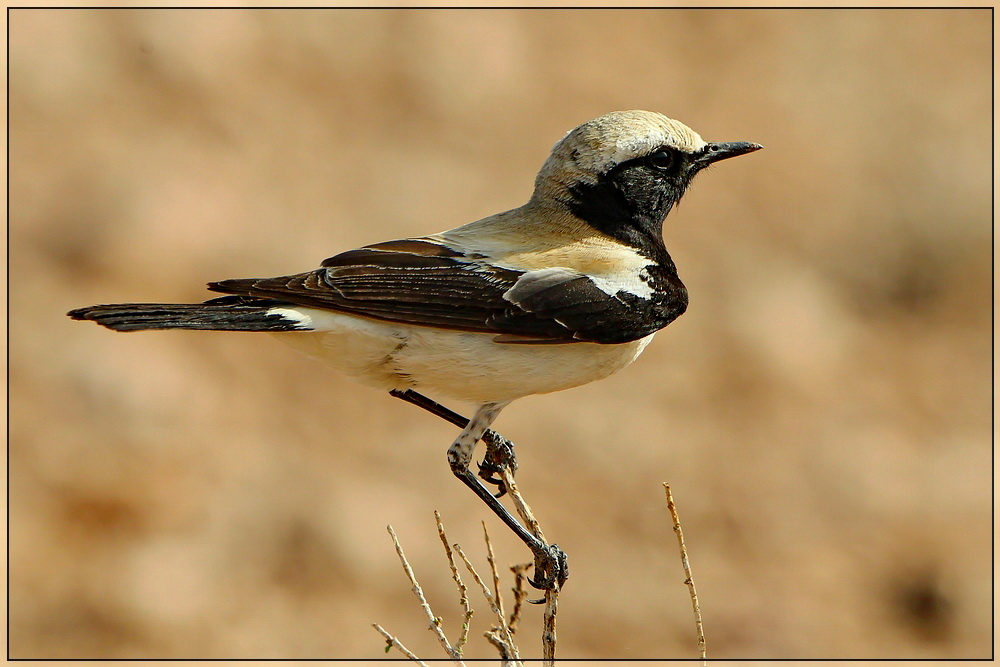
723, 150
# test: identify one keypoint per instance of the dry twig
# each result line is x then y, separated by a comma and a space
689, 580
520, 578
435, 622
523, 510
500, 636
552, 595
463, 591
549, 627
491, 559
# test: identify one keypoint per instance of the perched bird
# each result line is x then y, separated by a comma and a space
564, 290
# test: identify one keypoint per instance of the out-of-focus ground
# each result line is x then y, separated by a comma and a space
822, 411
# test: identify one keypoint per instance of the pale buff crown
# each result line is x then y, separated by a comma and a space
598, 145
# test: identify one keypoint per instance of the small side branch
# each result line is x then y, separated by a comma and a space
500, 636
392, 642
689, 578
520, 593
463, 591
491, 559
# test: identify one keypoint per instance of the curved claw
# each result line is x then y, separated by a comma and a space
551, 570
489, 474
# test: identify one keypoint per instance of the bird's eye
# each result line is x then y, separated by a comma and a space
662, 160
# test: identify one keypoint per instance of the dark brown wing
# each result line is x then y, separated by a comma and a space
424, 282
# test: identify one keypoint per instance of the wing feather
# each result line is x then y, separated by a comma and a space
426, 282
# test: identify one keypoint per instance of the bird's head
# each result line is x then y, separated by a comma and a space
623, 172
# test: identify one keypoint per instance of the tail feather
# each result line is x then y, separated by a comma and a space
228, 313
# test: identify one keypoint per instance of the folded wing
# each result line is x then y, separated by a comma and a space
425, 282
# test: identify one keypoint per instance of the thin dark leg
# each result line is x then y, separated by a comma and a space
550, 561
432, 407
499, 450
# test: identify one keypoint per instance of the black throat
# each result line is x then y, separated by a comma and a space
629, 203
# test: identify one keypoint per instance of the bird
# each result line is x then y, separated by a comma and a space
564, 290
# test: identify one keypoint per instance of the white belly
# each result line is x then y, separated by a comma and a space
466, 366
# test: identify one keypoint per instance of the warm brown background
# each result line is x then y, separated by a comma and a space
822, 411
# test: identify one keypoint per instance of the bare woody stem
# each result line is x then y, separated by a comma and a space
551, 595
689, 578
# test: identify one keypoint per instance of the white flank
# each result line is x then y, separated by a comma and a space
302, 320
465, 366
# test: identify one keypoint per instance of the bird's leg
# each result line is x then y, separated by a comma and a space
550, 561
551, 568
499, 450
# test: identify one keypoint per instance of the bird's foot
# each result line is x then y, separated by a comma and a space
499, 457
551, 569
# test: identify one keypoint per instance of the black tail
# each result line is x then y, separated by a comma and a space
228, 313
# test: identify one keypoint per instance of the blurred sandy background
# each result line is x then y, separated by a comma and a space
822, 410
